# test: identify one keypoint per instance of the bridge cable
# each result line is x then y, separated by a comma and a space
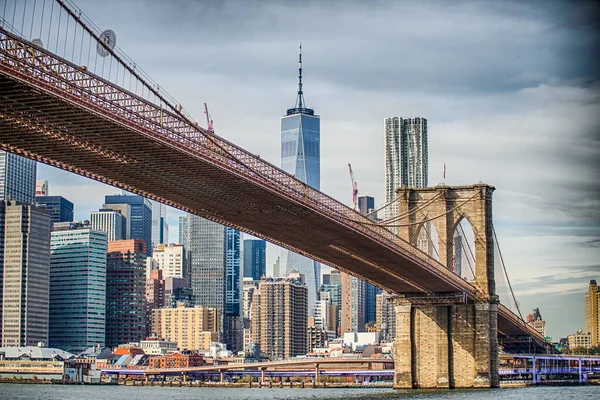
464, 237
432, 218
505, 273
412, 211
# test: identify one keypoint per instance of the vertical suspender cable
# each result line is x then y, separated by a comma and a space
505, 273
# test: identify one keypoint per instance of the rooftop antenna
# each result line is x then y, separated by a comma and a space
300, 98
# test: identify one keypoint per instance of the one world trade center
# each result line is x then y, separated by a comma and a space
300, 155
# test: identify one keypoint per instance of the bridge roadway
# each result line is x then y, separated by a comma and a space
60, 114
287, 365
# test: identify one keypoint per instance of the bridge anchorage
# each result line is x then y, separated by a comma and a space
446, 340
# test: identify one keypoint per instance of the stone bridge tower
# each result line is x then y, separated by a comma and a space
439, 343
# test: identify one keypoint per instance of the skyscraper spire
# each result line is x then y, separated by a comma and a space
300, 107
300, 99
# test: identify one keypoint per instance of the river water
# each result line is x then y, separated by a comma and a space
59, 392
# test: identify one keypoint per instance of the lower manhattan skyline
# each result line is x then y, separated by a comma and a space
510, 92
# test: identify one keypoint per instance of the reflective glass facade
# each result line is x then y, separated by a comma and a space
60, 208
301, 156
140, 223
17, 178
77, 289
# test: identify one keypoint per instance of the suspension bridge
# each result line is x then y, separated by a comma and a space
71, 98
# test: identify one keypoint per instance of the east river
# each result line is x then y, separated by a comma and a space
55, 392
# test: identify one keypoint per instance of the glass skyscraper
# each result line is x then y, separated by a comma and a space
17, 178
140, 223
160, 228
255, 261
301, 156
60, 208
77, 288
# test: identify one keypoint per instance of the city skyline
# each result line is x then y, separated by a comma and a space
546, 203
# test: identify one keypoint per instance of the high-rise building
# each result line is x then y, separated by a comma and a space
126, 319
536, 321
592, 322
207, 262
160, 227
331, 290
111, 222
366, 204
125, 211
77, 287
193, 328
386, 316
61, 209
17, 178
255, 259
325, 315
42, 188
171, 260
233, 334
277, 268
371, 292
140, 219
352, 318
215, 273
155, 295
248, 287
300, 156
26, 274
406, 156
184, 232
279, 316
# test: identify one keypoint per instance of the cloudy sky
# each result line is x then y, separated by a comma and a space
511, 92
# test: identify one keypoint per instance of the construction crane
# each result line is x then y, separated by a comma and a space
354, 188
209, 120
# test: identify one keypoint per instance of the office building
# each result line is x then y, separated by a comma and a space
331, 290
277, 268
61, 209
111, 222
371, 292
580, 340
17, 178
592, 322
42, 188
278, 315
300, 156
160, 227
255, 259
386, 316
170, 258
140, 219
77, 287
177, 290
207, 261
193, 328
184, 232
215, 272
352, 315
536, 321
325, 315
126, 319
233, 334
366, 204
25, 273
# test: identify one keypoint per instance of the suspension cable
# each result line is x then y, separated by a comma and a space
497, 245
432, 218
412, 211
470, 250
